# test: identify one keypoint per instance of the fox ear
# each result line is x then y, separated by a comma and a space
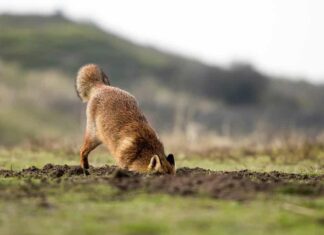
105, 78
155, 163
170, 159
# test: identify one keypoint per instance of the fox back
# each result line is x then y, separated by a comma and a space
115, 119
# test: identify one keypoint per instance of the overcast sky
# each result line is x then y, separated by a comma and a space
277, 36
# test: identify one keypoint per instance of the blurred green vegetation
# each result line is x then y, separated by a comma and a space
36, 105
43, 42
40, 56
92, 209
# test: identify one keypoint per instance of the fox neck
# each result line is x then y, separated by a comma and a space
138, 165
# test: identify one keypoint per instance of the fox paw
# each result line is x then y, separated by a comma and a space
85, 172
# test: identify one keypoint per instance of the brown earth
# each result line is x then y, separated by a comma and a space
234, 185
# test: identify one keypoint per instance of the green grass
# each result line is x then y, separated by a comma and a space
80, 212
262, 163
18, 159
99, 209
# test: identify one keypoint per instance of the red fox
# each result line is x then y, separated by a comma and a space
114, 119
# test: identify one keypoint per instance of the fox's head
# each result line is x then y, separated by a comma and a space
163, 165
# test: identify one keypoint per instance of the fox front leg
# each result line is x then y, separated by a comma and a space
89, 144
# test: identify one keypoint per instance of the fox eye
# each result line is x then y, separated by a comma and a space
170, 159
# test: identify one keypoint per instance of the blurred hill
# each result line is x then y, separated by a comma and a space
40, 56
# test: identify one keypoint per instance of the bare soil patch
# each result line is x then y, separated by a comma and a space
233, 185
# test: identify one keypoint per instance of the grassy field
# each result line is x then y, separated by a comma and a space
226, 184
32, 205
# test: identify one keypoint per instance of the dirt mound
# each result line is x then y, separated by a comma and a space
236, 185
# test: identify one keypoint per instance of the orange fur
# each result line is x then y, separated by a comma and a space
114, 119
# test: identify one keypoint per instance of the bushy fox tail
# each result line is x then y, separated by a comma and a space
88, 76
